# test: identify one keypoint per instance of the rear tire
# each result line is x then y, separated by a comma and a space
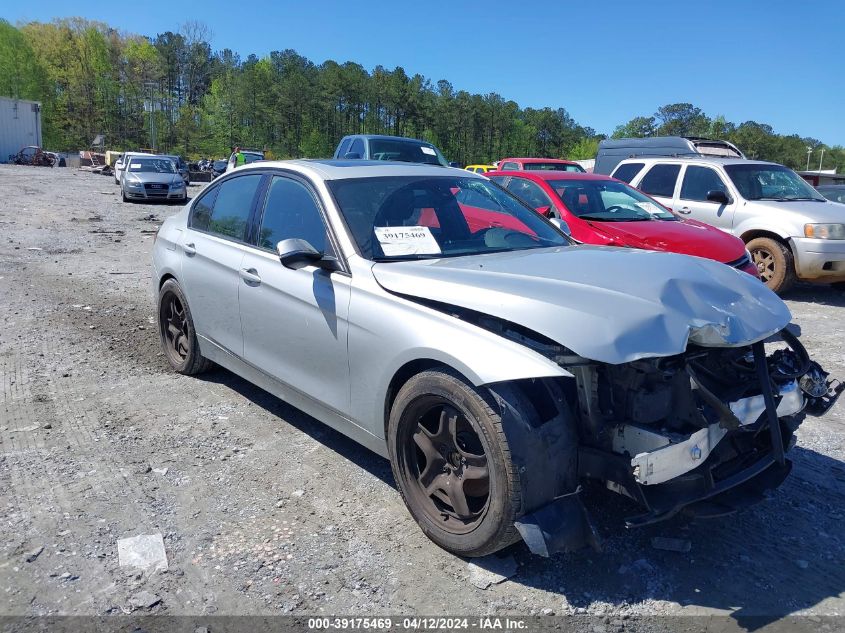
452, 463
176, 330
774, 262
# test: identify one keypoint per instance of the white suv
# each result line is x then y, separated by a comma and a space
791, 230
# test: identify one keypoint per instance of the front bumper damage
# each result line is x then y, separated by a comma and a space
736, 453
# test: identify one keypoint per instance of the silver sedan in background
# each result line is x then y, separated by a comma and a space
152, 178
434, 318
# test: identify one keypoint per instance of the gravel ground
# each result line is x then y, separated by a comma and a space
265, 511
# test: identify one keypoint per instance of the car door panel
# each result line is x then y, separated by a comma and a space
295, 322
295, 325
214, 247
696, 181
210, 268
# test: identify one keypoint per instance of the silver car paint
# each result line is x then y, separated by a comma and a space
620, 306
613, 306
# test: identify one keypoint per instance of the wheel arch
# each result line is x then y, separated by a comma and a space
165, 277
753, 234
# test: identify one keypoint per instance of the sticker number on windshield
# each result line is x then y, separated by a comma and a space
406, 240
135, 165
650, 207
428, 150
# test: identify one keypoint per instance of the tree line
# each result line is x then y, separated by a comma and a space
175, 93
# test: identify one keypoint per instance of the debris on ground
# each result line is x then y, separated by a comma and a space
491, 570
668, 544
145, 551
144, 600
33, 554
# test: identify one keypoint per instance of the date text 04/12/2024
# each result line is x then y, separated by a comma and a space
418, 624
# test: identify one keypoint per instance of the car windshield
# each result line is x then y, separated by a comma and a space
251, 157
152, 165
608, 201
406, 152
553, 167
757, 181
393, 218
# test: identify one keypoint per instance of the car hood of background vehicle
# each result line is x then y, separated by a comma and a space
809, 210
684, 236
604, 303
155, 177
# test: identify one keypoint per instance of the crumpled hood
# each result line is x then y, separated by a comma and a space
608, 304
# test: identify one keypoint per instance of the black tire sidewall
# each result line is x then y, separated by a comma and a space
193, 360
495, 529
784, 274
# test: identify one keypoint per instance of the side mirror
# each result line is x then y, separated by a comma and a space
295, 253
547, 211
561, 225
454, 164
718, 196
352, 156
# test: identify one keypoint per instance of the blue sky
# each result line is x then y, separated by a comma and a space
771, 61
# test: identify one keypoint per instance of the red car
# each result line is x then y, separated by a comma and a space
608, 212
539, 164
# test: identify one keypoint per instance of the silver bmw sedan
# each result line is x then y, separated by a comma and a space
434, 318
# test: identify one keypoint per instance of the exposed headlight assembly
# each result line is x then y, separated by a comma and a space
825, 231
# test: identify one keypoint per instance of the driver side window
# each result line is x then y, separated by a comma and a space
698, 181
530, 193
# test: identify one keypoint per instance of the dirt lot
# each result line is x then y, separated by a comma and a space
264, 510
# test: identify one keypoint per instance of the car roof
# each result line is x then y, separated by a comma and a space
339, 169
388, 138
539, 160
549, 175
717, 160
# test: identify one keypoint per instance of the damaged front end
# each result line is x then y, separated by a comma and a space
704, 432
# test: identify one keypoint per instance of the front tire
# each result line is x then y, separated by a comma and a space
774, 262
177, 333
452, 463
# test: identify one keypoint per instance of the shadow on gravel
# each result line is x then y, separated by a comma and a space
767, 562
339, 443
821, 294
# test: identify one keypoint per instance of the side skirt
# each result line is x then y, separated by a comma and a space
293, 397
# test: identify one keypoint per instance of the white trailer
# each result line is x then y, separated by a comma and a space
20, 125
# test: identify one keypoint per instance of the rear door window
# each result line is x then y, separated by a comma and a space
626, 172
698, 181
660, 180
231, 209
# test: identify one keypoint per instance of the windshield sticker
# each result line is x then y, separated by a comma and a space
135, 165
428, 150
406, 240
650, 207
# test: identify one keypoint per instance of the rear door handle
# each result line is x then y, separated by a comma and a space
685, 210
190, 249
250, 276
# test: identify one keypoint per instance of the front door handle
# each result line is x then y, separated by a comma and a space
685, 210
250, 276
190, 249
